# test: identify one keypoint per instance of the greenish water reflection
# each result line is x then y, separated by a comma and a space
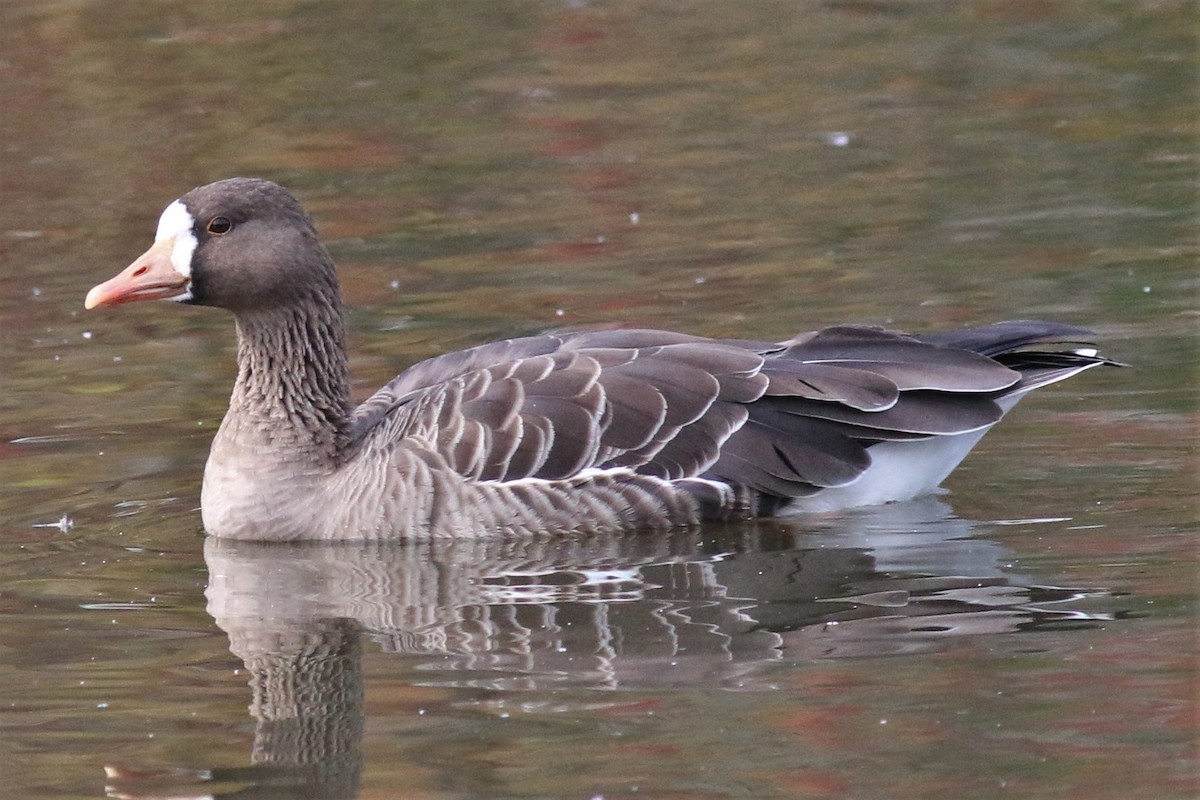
484, 169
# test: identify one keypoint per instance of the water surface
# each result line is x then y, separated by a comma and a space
484, 170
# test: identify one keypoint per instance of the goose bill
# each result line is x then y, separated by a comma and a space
150, 277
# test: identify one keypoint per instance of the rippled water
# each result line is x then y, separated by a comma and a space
486, 169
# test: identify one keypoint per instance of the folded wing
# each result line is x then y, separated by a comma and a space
782, 419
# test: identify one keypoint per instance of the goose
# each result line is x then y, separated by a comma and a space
593, 430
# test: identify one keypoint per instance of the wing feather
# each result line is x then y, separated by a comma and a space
782, 420
920, 412
834, 383
905, 360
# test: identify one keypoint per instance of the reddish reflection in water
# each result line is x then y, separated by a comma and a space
484, 170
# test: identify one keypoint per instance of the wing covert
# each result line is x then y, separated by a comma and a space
551, 407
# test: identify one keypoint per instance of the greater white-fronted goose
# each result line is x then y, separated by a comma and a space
599, 430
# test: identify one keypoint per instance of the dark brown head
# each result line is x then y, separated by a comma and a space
243, 244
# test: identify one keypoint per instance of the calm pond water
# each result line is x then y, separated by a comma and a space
487, 169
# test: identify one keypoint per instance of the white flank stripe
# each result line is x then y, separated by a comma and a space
583, 476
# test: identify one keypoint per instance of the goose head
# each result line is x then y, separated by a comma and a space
243, 244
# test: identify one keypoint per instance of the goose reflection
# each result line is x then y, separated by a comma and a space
710, 607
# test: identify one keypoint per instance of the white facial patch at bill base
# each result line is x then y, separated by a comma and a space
176, 223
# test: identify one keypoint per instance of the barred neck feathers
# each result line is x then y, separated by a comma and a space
292, 377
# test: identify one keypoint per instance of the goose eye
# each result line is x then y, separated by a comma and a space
219, 225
